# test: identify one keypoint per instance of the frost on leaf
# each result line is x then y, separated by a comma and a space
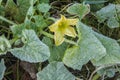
55, 71
110, 14
33, 50
89, 48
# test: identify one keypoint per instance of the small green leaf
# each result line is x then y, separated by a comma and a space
43, 7
30, 13
55, 71
112, 22
57, 52
2, 69
2, 10
4, 45
18, 11
112, 48
110, 72
79, 9
33, 50
17, 29
89, 48
109, 14
40, 21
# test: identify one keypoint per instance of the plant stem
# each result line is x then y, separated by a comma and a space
51, 36
6, 20
71, 42
46, 34
18, 70
7, 73
95, 77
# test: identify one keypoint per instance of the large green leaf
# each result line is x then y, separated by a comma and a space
89, 48
33, 50
56, 52
4, 45
2, 69
112, 48
110, 14
19, 10
79, 9
55, 71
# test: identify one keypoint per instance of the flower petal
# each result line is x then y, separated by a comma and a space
70, 32
72, 21
63, 18
59, 38
53, 27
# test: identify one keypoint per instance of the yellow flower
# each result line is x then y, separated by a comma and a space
63, 27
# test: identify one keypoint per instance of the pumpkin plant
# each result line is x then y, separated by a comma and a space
31, 34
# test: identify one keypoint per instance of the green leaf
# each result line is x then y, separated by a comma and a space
2, 69
112, 22
11, 8
44, 1
95, 1
110, 72
79, 9
17, 29
43, 7
40, 21
56, 52
109, 14
2, 11
55, 71
112, 49
4, 45
30, 13
0, 2
31, 9
32, 2
18, 11
33, 50
89, 48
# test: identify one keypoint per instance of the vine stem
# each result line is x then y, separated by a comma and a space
51, 36
101, 67
6, 20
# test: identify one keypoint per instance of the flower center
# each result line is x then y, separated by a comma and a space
62, 25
